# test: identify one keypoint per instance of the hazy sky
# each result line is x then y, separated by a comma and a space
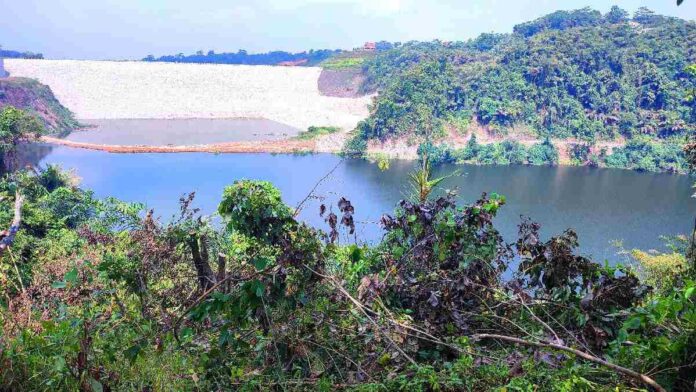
130, 29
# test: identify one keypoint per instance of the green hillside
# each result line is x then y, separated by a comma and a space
577, 74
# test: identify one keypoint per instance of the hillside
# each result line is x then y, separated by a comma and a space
37, 99
579, 76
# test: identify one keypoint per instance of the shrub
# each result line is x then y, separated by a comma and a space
315, 132
662, 271
543, 153
254, 208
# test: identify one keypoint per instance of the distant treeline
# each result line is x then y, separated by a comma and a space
13, 54
311, 57
243, 57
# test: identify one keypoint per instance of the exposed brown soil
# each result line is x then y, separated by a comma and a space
270, 146
38, 99
406, 148
343, 83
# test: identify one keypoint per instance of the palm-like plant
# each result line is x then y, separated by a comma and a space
421, 182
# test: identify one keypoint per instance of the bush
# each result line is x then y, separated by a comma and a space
543, 153
644, 154
315, 132
662, 271
255, 209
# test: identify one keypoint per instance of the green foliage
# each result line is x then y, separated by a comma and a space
315, 132
663, 333
646, 155
341, 62
563, 20
356, 146
662, 271
310, 57
37, 100
16, 125
568, 74
418, 102
255, 209
544, 153
498, 153
96, 296
580, 153
421, 181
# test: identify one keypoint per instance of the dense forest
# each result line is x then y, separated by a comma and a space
577, 75
100, 295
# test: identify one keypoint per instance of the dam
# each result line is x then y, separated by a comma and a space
145, 90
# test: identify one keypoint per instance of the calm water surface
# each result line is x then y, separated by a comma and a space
162, 132
603, 205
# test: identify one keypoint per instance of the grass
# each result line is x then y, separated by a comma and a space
314, 132
342, 62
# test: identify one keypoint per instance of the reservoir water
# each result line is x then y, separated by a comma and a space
602, 205
162, 132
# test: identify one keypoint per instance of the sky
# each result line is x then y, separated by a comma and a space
132, 29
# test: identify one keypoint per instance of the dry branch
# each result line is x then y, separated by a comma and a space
628, 372
8, 236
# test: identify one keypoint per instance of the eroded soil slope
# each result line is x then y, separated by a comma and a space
38, 99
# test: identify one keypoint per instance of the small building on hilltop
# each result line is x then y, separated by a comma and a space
370, 46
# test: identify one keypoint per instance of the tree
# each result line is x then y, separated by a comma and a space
16, 125
543, 153
616, 15
646, 16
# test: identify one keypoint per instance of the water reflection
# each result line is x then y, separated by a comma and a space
162, 132
601, 204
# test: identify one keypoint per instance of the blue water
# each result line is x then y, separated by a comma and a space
603, 205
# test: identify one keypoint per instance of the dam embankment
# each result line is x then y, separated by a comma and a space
144, 90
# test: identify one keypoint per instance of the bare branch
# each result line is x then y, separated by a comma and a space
8, 236
628, 372
311, 193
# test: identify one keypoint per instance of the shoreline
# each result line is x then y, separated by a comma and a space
285, 146
267, 146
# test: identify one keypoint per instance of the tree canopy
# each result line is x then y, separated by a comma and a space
570, 74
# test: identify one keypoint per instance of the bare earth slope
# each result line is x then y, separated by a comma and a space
38, 99
110, 90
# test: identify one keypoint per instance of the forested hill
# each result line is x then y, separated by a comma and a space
570, 74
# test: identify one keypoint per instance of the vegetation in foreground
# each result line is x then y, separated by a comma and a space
98, 295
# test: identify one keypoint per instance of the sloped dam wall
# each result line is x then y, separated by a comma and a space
133, 89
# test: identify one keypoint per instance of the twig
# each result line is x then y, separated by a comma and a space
19, 276
541, 321
628, 372
203, 296
364, 309
299, 206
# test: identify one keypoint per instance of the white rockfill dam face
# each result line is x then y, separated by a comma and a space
143, 90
